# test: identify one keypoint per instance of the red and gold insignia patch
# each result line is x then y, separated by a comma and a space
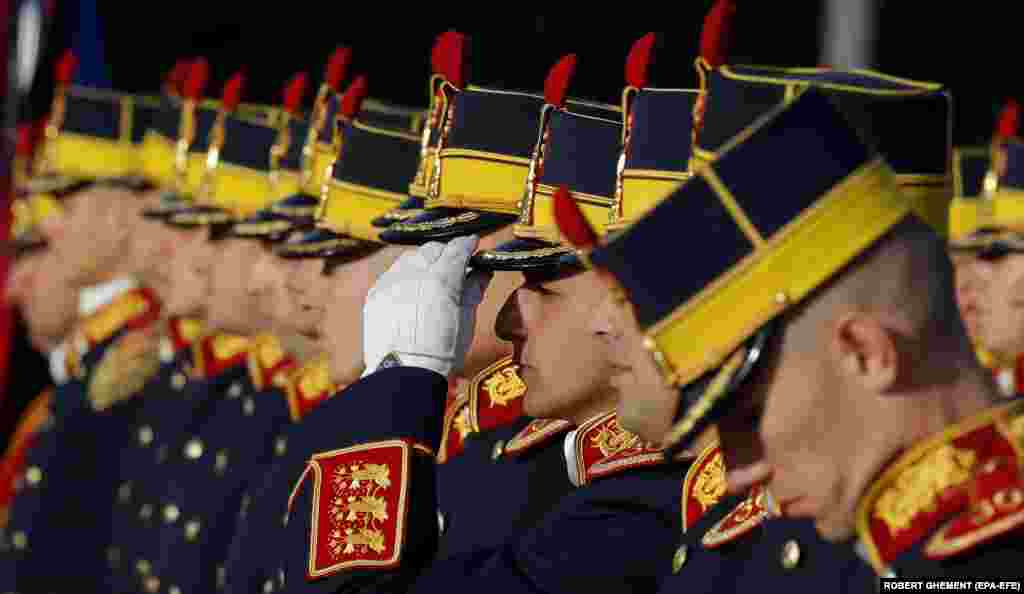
455, 430
604, 448
360, 500
184, 332
308, 386
269, 365
960, 486
537, 433
704, 485
496, 396
740, 521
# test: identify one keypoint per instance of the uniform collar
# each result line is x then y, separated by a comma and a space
571, 459
91, 299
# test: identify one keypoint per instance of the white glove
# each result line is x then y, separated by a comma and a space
423, 309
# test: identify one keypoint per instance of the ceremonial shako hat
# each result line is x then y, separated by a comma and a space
971, 206
909, 121
579, 147
369, 177
832, 197
486, 142
999, 219
657, 137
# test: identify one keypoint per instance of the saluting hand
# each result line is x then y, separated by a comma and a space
421, 312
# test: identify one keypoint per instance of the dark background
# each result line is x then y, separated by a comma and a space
971, 47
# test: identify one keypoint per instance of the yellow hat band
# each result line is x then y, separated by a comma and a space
479, 180
539, 222
779, 272
349, 209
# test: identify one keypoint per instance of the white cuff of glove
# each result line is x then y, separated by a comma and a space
439, 365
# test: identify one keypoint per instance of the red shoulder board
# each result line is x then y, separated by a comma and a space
215, 354
604, 448
360, 501
269, 365
740, 521
959, 489
496, 396
456, 428
308, 386
704, 485
537, 433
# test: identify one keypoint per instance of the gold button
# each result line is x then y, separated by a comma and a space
113, 556
34, 475
146, 511
178, 381
124, 492
142, 566
222, 577
145, 435
192, 530
194, 449
20, 540
221, 462
280, 578
284, 520
174, 590
499, 449
442, 523
235, 390
152, 584
243, 506
171, 513
679, 559
268, 586
281, 446
790, 554
161, 454
249, 407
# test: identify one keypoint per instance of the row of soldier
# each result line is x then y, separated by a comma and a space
274, 373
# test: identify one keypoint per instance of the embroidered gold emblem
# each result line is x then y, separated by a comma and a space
357, 509
104, 323
270, 352
314, 380
124, 369
226, 346
917, 488
504, 386
710, 486
462, 424
612, 439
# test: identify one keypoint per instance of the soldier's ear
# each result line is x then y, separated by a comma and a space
865, 352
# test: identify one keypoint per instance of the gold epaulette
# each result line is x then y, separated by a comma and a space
604, 448
456, 427
959, 489
269, 365
704, 484
133, 310
214, 354
749, 514
308, 386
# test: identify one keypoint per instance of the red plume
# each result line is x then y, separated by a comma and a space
571, 222
1009, 120
352, 100
175, 80
66, 66
557, 84
337, 67
715, 34
452, 58
639, 61
232, 94
198, 76
437, 54
294, 92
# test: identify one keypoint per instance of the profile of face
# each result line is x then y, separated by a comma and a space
190, 276
647, 404
486, 347
562, 354
92, 233
1000, 317
967, 285
152, 253
231, 306
48, 304
308, 292
268, 289
341, 331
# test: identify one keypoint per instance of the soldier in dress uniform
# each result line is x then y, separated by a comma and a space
861, 312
